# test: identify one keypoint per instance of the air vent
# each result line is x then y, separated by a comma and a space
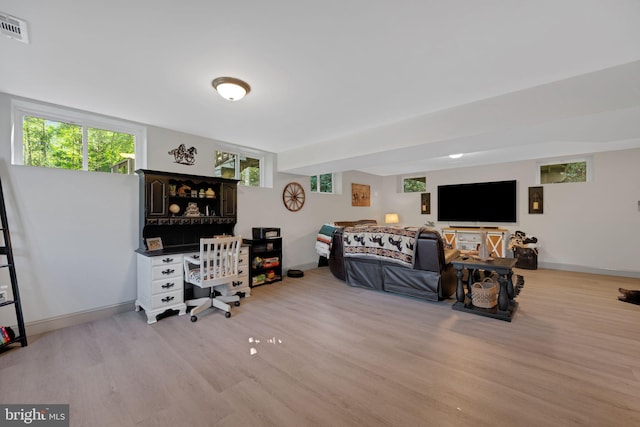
14, 28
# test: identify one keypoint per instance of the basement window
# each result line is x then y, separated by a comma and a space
414, 185
559, 172
58, 138
322, 183
246, 169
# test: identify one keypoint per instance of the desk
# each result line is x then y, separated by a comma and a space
504, 268
160, 280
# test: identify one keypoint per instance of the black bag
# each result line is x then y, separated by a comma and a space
527, 258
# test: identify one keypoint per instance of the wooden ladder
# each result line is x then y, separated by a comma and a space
7, 252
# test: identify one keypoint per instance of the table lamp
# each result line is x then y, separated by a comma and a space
391, 218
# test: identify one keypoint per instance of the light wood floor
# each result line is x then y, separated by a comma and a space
326, 354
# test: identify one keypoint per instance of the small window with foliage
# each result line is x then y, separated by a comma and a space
56, 138
322, 183
238, 166
414, 185
555, 173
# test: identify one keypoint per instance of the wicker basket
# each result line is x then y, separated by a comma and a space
484, 294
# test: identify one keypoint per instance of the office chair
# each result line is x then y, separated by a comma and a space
216, 265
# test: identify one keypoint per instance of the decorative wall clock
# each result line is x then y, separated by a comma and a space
293, 196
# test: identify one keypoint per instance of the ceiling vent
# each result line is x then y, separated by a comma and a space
14, 28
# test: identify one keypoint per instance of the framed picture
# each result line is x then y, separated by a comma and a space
154, 243
536, 201
425, 203
360, 195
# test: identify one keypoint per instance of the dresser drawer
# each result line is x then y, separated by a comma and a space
166, 271
243, 256
167, 285
166, 299
166, 260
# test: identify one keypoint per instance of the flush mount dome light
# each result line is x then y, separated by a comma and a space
455, 156
231, 88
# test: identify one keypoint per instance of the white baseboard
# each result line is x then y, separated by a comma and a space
591, 270
47, 325
303, 267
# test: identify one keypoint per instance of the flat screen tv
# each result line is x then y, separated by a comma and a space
478, 202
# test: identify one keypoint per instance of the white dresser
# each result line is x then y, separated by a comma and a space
160, 285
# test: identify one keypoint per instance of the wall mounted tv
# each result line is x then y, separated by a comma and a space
478, 202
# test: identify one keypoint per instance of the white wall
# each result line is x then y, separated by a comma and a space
72, 234
592, 227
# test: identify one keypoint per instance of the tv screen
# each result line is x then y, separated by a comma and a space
478, 202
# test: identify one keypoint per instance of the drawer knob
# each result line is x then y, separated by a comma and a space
167, 260
167, 299
168, 285
168, 271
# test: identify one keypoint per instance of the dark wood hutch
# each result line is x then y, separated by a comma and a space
180, 208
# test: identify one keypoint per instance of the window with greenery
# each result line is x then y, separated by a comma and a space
414, 185
238, 166
322, 183
54, 138
555, 173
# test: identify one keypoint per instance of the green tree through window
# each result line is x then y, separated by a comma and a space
56, 144
321, 183
414, 185
236, 166
563, 172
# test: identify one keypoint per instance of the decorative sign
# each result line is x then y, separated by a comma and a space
183, 155
360, 195
425, 203
536, 200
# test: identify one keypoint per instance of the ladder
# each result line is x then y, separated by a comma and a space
6, 251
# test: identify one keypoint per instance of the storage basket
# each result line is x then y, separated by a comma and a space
484, 294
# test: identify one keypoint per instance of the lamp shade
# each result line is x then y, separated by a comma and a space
391, 218
231, 88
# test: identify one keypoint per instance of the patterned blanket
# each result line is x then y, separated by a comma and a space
385, 243
323, 240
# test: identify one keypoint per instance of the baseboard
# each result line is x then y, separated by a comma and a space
302, 267
591, 270
47, 325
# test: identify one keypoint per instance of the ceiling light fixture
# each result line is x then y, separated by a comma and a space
455, 156
231, 88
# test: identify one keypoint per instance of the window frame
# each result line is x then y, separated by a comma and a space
404, 178
586, 159
238, 154
317, 189
20, 109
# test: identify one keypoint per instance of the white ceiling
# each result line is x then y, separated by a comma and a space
377, 86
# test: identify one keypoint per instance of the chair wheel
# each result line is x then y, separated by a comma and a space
227, 314
194, 318
237, 303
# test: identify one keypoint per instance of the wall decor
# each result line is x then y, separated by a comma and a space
183, 155
536, 201
425, 203
293, 196
360, 195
